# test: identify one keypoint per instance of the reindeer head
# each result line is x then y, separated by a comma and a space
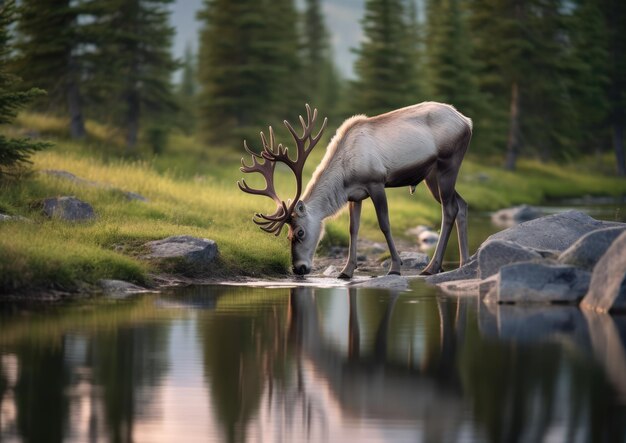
304, 229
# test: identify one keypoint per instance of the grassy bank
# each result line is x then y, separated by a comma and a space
191, 190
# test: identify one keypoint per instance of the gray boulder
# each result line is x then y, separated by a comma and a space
120, 288
553, 232
586, 252
68, 208
494, 254
410, 260
465, 272
607, 290
190, 250
513, 216
530, 282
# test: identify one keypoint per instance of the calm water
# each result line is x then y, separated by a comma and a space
242, 364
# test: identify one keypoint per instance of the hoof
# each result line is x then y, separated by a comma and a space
393, 273
343, 276
425, 272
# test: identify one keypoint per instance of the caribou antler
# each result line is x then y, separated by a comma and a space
271, 155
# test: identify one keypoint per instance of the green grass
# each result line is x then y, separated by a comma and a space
192, 190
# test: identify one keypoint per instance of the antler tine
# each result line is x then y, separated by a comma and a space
266, 169
272, 154
269, 223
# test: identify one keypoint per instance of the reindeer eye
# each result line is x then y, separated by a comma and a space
300, 233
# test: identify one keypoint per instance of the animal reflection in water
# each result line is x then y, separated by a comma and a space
443, 380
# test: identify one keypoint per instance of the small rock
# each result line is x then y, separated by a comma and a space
395, 282
607, 290
410, 260
427, 238
494, 254
134, 196
330, 271
361, 257
192, 250
529, 282
68, 208
513, 216
586, 252
553, 232
4, 217
120, 288
467, 271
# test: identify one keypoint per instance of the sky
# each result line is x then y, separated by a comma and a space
342, 19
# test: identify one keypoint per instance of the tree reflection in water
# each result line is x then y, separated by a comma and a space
310, 364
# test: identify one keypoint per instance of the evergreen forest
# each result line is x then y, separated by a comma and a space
539, 78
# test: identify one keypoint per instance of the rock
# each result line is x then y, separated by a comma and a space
553, 232
586, 252
395, 282
4, 217
191, 250
468, 271
427, 238
330, 271
513, 216
377, 248
410, 260
494, 254
134, 196
529, 282
607, 290
68, 208
120, 288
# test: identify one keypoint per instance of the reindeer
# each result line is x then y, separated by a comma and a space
423, 142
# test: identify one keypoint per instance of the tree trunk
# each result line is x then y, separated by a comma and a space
77, 124
512, 145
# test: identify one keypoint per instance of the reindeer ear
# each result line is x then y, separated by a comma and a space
300, 209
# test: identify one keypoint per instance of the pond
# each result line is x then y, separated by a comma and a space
319, 364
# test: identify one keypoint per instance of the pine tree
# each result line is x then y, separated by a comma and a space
590, 76
248, 67
322, 83
135, 55
450, 66
186, 92
385, 66
615, 11
13, 152
50, 45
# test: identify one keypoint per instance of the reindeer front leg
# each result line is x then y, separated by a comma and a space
355, 221
377, 193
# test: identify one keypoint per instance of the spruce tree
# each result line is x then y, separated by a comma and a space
319, 74
135, 55
385, 65
14, 153
248, 67
615, 11
49, 49
186, 92
587, 29
451, 69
